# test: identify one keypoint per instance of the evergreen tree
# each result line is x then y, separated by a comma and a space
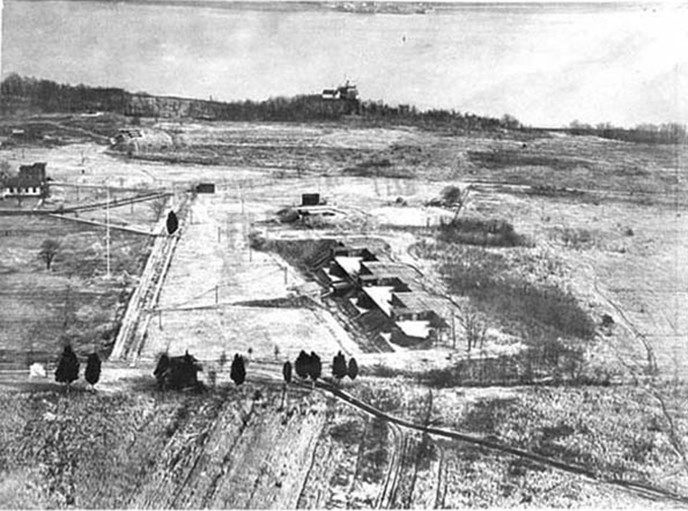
238, 370
315, 366
339, 368
286, 372
353, 368
302, 365
92, 373
172, 223
67, 367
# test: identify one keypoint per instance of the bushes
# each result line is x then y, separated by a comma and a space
377, 168
475, 231
518, 286
509, 158
575, 237
520, 300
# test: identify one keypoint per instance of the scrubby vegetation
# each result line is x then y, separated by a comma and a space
377, 167
522, 293
616, 432
476, 231
521, 287
512, 158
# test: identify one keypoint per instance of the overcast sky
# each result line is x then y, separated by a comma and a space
624, 63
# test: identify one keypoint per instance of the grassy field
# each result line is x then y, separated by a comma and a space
238, 448
211, 301
73, 301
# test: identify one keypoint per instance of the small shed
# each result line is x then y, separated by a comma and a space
310, 199
205, 188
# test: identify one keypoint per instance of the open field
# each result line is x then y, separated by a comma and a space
40, 309
598, 229
206, 302
626, 220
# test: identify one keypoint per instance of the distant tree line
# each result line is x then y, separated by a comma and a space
17, 93
50, 97
667, 133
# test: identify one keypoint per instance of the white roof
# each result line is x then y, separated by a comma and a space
382, 296
415, 328
351, 265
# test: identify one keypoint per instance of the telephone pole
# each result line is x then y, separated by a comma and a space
107, 231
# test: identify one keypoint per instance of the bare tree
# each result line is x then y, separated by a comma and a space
222, 360
48, 251
157, 206
475, 329
5, 170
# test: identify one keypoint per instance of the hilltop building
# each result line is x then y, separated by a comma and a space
346, 92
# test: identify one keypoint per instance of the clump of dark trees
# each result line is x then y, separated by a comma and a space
494, 232
310, 366
177, 373
181, 373
67, 370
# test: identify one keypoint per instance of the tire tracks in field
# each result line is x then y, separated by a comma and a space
639, 488
674, 437
385, 499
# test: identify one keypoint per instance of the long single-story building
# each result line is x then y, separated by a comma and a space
393, 290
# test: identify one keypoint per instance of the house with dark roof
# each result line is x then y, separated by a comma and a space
346, 92
31, 181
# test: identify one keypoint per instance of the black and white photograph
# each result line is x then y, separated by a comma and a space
343, 254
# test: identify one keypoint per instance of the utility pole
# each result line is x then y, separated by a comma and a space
107, 230
248, 239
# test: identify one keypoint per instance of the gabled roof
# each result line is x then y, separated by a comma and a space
351, 265
415, 328
421, 301
384, 269
381, 295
